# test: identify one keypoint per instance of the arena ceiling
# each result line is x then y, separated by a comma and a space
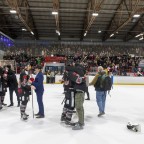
112, 19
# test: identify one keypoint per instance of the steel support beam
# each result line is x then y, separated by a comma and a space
95, 6
138, 26
118, 22
25, 16
3, 22
57, 17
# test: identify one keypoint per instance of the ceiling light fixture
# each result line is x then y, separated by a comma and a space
85, 33
95, 14
58, 32
136, 15
13, 11
141, 38
54, 13
32, 33
99, 31
111, 35
23, 29
138, 35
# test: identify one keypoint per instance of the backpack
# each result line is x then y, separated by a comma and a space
107, 83
103, 83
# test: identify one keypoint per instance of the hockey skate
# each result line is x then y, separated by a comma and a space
69, 123
63, 118
24, 117
134, 127
4, 104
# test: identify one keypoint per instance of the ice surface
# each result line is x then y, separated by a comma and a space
125, 104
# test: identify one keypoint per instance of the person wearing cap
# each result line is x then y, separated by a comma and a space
38, 86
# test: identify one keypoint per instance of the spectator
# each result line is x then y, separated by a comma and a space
100, 93
13, 86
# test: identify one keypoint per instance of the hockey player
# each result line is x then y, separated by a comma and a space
25, 91
4, 79
69, 99
2, 88
77, 75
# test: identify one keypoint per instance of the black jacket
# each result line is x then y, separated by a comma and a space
67, 82
24, 85
22, 74
74, 72
12, 80
2, 86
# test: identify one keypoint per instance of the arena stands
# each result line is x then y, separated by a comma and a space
120, 61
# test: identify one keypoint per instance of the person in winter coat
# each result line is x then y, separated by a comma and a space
13, 85
2, 88
4, 80
100, 93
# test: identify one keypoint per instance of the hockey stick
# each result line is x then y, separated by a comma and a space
32, 104
84, 58
63, 100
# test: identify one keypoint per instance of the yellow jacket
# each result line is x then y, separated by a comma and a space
95, 78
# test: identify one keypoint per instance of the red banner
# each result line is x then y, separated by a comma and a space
55, 59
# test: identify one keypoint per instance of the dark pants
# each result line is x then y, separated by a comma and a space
69, 105
52, 79
11, 90
69, 100
24, 98
87, 92
23, 105
48, 79
40, 103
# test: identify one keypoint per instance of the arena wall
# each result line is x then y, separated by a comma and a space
118, 80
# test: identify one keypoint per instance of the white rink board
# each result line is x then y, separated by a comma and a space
117, 80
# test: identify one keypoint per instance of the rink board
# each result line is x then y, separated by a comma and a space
118, 80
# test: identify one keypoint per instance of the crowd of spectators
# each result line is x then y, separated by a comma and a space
23, 59
120, 60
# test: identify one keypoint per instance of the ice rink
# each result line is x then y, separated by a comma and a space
125, 104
